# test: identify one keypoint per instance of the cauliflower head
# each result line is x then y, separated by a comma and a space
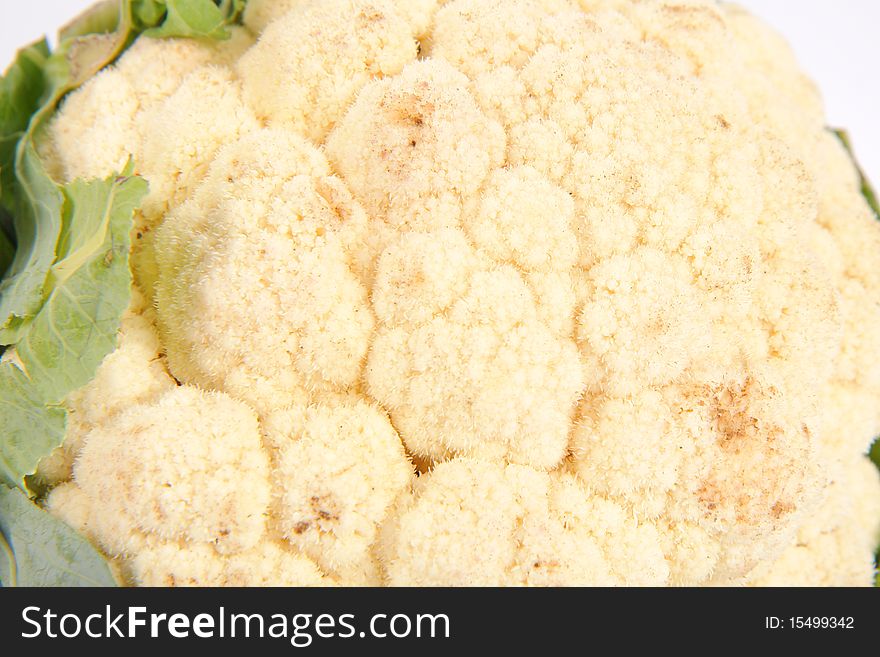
505, 292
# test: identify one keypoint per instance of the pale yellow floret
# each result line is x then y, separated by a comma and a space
779, 94
254, 168
473, 523
147, 560
108, 529
525, 220
462, 362
185, 131
188, 466
541, 144
330, 51
614, 435
338, 468
256, 293
414, 147
744, 436
696, 30
501, 94
836, 546
421, 275
92, 142
100, 125
644, 319
111, 533
136, 110
707, 445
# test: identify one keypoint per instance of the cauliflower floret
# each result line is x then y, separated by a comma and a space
151, 561
614, 434
338, 469
414, 146
331, 49
256, 294
182, 511
836, 546
100, 125
211, 486
89, 141
752, 439
707, 446
474, 523
194, 511
461, 360
186, 130
525, 220
643, 320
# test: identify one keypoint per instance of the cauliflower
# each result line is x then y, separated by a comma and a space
496, 292
475, 522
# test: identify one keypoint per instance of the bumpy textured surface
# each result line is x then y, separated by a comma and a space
520, 292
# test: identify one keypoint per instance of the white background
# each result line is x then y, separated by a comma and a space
837, 42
